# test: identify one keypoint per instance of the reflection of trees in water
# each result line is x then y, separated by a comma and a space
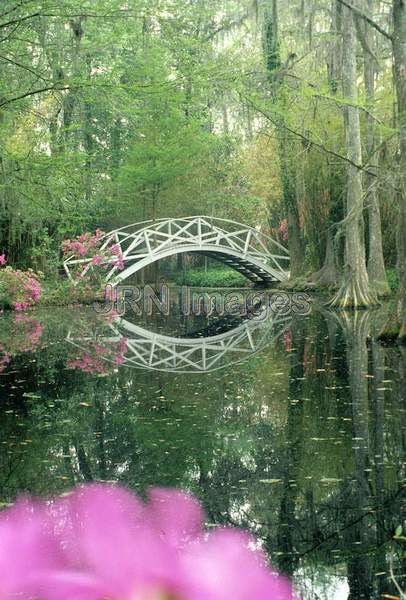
356, 488
292, 458
365, 507
302, 447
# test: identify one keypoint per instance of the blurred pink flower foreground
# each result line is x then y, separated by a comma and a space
104, 543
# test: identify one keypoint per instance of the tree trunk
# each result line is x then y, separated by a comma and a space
87, 136
354, 291
273, 63
328, 276
376, 264
296, 245
399, 52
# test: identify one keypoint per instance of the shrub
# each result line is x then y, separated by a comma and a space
213, 278
19, 289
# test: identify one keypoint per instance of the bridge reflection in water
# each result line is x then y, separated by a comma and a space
199, 353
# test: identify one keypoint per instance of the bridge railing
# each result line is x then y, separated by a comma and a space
151, 240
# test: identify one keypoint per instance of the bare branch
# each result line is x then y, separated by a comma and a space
370, 21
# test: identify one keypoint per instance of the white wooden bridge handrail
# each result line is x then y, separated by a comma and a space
244, 248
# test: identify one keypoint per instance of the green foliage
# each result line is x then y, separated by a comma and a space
393, 279
59, 292
213, 277
45, 254
112, 119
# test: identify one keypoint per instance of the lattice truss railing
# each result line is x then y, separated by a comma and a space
153, 351
144, 243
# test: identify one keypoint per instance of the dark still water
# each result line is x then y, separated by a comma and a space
291, 426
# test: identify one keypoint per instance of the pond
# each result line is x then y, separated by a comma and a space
289, 425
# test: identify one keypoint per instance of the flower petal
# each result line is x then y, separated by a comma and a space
26, 546
177, 516
108, 532
67, 585
223, 567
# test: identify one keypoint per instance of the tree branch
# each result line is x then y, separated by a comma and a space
340, 102
34, 93
25, 67
11, 10
370, 21
365, 46
312, 143
19, 20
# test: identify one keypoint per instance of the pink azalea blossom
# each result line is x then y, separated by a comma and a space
3, 260
27, 548
20, 306
119, 263
96, 260
105, 542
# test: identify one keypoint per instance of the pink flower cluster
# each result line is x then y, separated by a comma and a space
118, 260
88, 246
283, 229
102, 542
30, 290
23, 288
98, 359
3, 260
83, 244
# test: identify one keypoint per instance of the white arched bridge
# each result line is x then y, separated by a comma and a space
149, 350
260, 258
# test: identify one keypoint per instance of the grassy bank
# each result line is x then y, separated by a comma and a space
211, 278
